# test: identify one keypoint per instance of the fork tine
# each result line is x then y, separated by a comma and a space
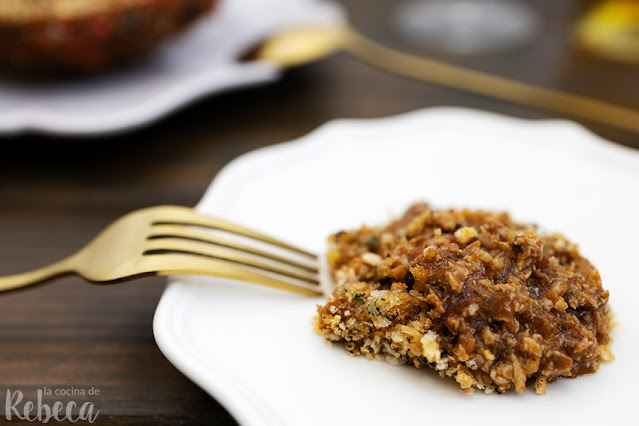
188, 233
157, 246
183, 264
176, 215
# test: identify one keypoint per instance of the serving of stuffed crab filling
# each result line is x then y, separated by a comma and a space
491, 303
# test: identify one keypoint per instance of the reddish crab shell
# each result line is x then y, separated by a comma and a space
88, 37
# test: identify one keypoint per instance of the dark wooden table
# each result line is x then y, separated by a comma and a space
56, 193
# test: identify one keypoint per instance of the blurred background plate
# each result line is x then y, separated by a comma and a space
200, 62
254, 349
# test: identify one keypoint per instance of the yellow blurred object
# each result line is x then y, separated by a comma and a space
611, 30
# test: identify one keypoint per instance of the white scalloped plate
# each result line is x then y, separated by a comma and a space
202, 62
254, 348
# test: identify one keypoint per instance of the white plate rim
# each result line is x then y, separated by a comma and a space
34, 119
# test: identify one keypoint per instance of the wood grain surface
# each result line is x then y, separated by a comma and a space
56, 193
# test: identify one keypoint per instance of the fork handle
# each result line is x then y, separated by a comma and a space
26, 279
488, 85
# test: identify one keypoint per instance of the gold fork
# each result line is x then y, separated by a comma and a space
298, 46
173, 240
